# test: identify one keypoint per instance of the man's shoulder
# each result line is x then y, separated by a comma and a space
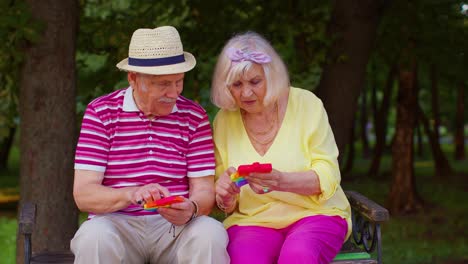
186, 105
110, 99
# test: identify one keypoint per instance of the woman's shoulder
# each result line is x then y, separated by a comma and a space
304, 98
225, 116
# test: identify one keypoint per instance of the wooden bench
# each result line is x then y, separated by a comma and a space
366, 238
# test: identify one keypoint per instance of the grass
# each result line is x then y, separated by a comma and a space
8, 229
436, 235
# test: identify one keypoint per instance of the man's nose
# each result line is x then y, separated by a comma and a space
172, 91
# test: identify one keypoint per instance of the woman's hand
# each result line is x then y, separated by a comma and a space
226, 191
266, 182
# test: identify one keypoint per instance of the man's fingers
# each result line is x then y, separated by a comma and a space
164, 192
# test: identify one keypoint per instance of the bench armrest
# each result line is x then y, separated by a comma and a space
367, 208
27, 220
367, 216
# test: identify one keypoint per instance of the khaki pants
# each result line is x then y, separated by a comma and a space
114, 238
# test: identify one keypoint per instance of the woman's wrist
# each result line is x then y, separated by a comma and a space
227, 208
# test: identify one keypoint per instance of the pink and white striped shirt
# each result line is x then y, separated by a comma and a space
117, 139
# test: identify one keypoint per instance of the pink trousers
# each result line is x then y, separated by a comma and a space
313, 239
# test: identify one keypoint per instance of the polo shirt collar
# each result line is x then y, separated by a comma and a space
129, 104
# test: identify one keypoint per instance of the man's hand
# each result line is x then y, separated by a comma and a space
148, 193
179, 213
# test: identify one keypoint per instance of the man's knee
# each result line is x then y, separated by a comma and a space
204, 241
95, 233
206, 230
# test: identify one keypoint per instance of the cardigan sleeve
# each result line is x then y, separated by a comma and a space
323, 152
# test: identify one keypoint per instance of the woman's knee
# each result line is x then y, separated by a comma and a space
299, 253
318, 251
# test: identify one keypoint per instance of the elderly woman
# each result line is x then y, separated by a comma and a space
297, 213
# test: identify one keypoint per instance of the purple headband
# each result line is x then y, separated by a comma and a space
237, 55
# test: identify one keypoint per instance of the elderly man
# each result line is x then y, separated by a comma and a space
138, 145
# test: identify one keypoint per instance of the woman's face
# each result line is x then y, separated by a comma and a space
249, 91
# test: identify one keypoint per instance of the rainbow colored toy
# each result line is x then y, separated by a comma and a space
244, 170
164, 202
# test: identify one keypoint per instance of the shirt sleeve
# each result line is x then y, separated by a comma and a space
220, 146
323, 153
200, 154
93, 143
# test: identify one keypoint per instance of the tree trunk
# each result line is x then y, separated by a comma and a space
5, 147
374, 102
442, 165
47, 128
403, 197
419, 140
380, 121
363, 125
353, 29
460, 123
351, 151
435, 101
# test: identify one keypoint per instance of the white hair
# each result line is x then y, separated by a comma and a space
225, 74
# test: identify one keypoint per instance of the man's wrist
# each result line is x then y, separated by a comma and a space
195, 211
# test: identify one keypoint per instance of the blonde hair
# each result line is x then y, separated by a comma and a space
225, 73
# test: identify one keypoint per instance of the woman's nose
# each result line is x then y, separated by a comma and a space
246, 91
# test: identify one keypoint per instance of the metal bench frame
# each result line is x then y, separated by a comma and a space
367, 217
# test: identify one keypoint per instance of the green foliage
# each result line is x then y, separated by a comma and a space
17, 30
106, 27
436, 34
432, 30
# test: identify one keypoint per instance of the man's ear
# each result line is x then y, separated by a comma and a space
132, 76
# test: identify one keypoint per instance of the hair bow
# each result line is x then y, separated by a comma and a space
237, 55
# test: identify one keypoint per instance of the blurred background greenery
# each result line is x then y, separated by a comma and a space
432, 33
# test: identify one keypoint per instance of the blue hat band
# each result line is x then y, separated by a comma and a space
156, 62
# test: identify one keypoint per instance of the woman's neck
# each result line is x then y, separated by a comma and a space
267, 113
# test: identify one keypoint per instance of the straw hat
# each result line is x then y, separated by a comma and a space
157, 51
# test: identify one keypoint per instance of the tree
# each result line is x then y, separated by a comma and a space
353, 28
363, 124
442, 165
16, 27
47, 123
459, 123
403, 197
381, 122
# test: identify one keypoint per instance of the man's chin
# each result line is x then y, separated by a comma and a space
161, 113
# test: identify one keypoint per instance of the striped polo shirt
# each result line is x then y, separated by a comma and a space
117, 139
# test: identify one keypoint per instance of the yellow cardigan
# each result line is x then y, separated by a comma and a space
304, 142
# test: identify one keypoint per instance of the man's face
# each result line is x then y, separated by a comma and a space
156, 95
